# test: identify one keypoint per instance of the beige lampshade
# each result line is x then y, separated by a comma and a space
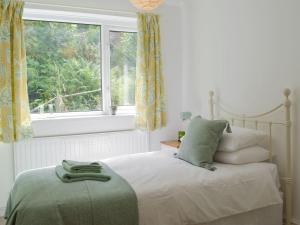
146, 4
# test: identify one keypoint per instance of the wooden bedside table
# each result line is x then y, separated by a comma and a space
170, 146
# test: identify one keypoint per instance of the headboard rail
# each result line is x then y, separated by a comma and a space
242, 116
257, 120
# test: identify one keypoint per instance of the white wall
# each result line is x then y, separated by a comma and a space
248, 51
171, 46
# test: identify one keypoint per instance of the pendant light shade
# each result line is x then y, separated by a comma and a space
146, 4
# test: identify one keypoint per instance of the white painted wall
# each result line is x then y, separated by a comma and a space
248, 51
171, 46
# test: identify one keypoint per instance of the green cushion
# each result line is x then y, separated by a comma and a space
201, 140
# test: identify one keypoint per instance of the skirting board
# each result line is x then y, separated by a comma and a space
2, 211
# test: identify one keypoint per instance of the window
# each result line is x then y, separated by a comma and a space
64, 66
80, 67
122, 67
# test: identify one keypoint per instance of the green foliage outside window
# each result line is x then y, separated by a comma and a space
64, 66
123, 67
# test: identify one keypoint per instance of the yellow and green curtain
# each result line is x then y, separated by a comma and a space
149, 94
15, 122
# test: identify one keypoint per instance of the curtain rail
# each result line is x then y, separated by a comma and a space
110, 11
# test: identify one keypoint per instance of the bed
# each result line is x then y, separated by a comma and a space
170, 191
179, 193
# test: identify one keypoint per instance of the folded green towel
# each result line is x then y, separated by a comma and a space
81, 167
68, 177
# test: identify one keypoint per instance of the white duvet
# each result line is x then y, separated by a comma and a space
173, 192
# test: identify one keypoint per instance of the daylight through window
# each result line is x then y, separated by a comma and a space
66, 64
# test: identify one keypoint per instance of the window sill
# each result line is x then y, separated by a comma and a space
57, 116
83, 124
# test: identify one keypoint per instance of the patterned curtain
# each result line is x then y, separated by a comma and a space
15, 122
149, 94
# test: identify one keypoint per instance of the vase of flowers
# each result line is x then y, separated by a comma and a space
113, 109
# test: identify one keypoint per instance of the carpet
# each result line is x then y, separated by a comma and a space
2, 221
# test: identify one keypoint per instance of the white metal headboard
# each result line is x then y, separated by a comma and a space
256, 120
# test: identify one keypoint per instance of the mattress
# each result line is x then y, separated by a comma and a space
173, 192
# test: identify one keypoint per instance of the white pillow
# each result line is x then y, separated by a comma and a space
247, 155
242, 138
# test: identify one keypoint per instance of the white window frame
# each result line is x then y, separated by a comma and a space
108, 23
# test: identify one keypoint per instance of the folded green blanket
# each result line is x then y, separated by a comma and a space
68, 177
40, 198
81, 167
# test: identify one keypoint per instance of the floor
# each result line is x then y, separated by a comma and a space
2, 222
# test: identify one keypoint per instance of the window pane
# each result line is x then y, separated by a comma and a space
123, 67
64, 66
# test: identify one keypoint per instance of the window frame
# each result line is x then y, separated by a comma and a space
108, 23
